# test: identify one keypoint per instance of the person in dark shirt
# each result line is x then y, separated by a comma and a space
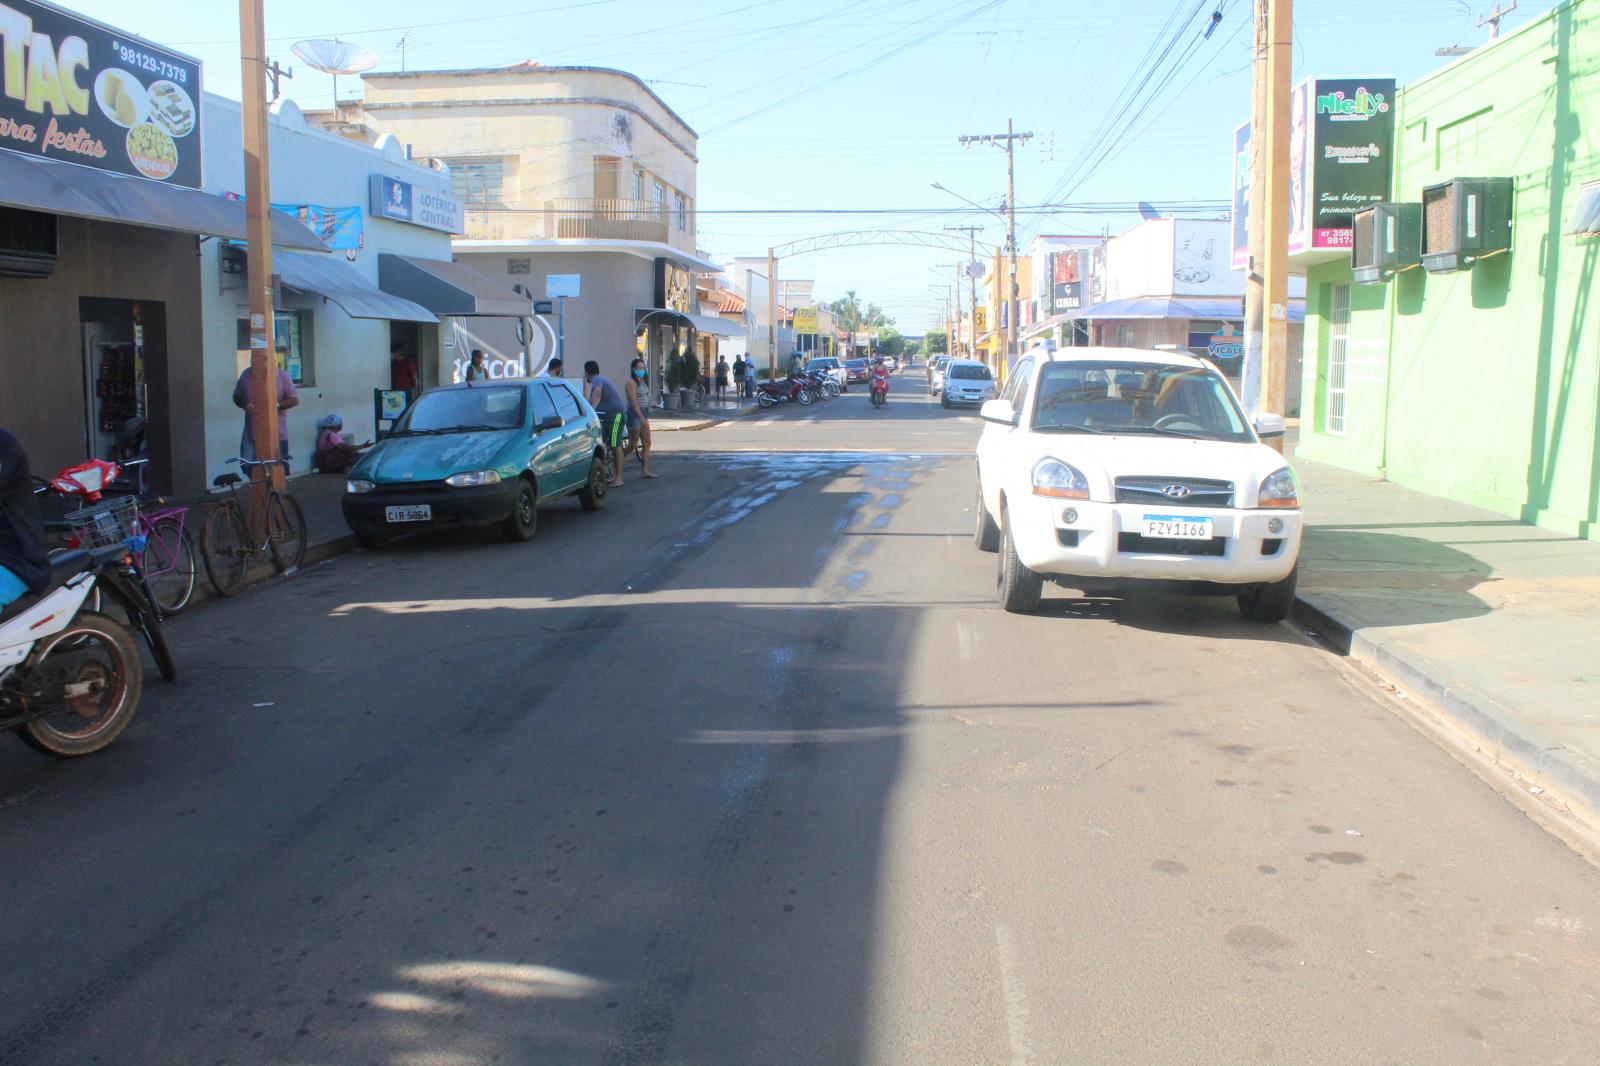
402, 371
607, 401
24, 564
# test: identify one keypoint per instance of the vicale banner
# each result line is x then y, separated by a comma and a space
80, 92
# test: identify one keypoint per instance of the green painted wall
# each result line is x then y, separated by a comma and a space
1484, 385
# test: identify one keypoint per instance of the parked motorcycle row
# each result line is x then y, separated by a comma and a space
800, 387
70, 673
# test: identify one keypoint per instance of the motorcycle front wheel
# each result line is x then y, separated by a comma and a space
91, 675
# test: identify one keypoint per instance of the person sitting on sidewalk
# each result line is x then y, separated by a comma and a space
334, 454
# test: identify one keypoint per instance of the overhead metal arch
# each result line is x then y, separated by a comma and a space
947, 242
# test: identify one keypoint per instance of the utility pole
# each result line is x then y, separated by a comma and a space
1008, 140
276, 73
1275, 342
972, 256
1492, 19
1255, 289
258, 199
772, 316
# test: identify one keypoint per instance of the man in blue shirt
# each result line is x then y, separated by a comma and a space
608, 403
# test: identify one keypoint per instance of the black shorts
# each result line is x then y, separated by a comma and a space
611, 429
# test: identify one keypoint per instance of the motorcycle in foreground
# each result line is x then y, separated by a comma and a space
879, 388
70, 679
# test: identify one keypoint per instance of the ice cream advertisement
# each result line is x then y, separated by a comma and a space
76, 91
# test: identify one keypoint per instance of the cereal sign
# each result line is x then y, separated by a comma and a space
80, 92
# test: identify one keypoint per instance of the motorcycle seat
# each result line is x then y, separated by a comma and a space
64, 566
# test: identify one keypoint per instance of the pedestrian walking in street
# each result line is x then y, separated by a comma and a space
552, 369
608, 403
638, 420
402, 371
738, 375
334, 454
476, 371
722, 377
244, 399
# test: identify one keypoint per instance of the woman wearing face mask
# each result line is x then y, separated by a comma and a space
638, 421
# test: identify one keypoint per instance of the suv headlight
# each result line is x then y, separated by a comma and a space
1052, 477
473, 479
1280, 489
356, 484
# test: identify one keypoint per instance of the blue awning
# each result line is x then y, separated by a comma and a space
1226, 308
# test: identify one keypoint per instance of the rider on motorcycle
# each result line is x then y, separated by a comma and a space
880, 378
24, 564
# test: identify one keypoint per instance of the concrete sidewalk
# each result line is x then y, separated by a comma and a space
1491, 623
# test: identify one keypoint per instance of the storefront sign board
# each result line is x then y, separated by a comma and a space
401, 201
1341, 141
74, 90
805, 320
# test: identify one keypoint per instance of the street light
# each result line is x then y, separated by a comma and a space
992, 210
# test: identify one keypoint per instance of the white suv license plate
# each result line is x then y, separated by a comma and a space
1177, 527
420, 512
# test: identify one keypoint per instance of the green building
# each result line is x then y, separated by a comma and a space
1481, 384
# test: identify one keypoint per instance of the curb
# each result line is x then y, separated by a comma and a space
1486, 723
319, 552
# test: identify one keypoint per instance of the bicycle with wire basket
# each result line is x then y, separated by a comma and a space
239, 531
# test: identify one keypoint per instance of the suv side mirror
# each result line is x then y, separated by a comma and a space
999, 412
1270, 425
551, 421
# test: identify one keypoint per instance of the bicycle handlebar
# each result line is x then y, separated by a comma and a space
247, 463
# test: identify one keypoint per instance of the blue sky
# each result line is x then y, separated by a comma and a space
807, 104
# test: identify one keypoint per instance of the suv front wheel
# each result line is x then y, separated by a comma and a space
1017, 588
1270, 603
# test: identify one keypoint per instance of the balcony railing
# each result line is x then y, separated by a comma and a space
628, 220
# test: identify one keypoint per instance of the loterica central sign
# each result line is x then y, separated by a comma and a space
80, 92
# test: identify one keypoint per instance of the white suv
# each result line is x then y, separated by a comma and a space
1111, 464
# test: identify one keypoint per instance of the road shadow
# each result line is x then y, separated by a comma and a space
469, 810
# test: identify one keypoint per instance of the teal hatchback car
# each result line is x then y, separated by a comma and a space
479, 454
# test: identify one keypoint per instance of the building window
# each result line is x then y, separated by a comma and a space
638, 184
519, 264
477, 181
1338, 356
292, 336
658, 197
680, 211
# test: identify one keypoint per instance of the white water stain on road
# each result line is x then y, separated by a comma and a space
1016, 997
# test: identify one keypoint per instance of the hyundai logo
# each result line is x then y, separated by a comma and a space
1176, 492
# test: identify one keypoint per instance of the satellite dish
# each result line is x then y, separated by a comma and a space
336, 57
1147, 211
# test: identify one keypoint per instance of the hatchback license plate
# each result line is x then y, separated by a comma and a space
420, 512
1177, 527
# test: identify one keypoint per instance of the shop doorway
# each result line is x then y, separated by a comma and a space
124, 364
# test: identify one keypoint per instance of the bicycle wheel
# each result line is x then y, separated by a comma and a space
168, 564
225, 547
286, 531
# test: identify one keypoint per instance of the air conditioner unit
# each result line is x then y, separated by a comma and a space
1386, 239
28, 246
1464, 220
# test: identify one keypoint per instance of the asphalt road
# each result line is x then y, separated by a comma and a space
746, 769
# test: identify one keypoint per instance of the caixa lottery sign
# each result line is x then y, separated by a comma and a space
79, 92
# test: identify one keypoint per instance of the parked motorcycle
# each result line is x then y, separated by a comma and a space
70, 679
796, 388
